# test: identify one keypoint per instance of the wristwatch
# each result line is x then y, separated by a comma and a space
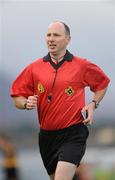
96, 103
25, 105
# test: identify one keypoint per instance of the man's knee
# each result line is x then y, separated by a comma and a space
65, 171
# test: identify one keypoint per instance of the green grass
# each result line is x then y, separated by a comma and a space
104, 175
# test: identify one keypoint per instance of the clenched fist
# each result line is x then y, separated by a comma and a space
31, 102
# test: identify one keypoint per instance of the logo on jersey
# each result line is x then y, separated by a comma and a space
40, 88
69, 91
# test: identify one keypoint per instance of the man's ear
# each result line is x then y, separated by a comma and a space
68, 39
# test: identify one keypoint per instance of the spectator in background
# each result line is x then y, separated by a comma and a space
10, 163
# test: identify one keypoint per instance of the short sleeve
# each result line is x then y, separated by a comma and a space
95, 78
23, 85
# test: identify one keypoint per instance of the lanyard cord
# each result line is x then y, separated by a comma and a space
52, 87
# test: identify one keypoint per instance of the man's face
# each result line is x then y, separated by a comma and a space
56, 38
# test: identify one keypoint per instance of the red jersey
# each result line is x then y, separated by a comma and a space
60, 88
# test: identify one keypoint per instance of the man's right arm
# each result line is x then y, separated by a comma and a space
25, 103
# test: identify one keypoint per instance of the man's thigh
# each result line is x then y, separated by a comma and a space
65, 170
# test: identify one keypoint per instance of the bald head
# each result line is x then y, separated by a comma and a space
62, 25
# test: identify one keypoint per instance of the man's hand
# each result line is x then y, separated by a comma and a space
31, 102
98, 96
90, 111
25, 103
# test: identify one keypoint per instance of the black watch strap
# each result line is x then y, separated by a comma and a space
96, 103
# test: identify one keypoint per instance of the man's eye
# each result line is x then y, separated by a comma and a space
48, 35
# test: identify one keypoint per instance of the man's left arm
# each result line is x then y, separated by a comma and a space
97, 97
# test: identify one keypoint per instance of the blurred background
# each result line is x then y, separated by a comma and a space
23, 24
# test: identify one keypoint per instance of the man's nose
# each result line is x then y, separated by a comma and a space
51, 38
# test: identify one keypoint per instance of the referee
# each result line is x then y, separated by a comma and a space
55, 84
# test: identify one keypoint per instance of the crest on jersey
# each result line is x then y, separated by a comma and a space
40, 88
69, 91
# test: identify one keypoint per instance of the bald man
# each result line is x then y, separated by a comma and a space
55, 84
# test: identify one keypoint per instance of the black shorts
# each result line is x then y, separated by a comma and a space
67, 144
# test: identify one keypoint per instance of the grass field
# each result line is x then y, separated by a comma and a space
104, 174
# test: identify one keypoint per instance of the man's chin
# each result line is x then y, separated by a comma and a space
53, 51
